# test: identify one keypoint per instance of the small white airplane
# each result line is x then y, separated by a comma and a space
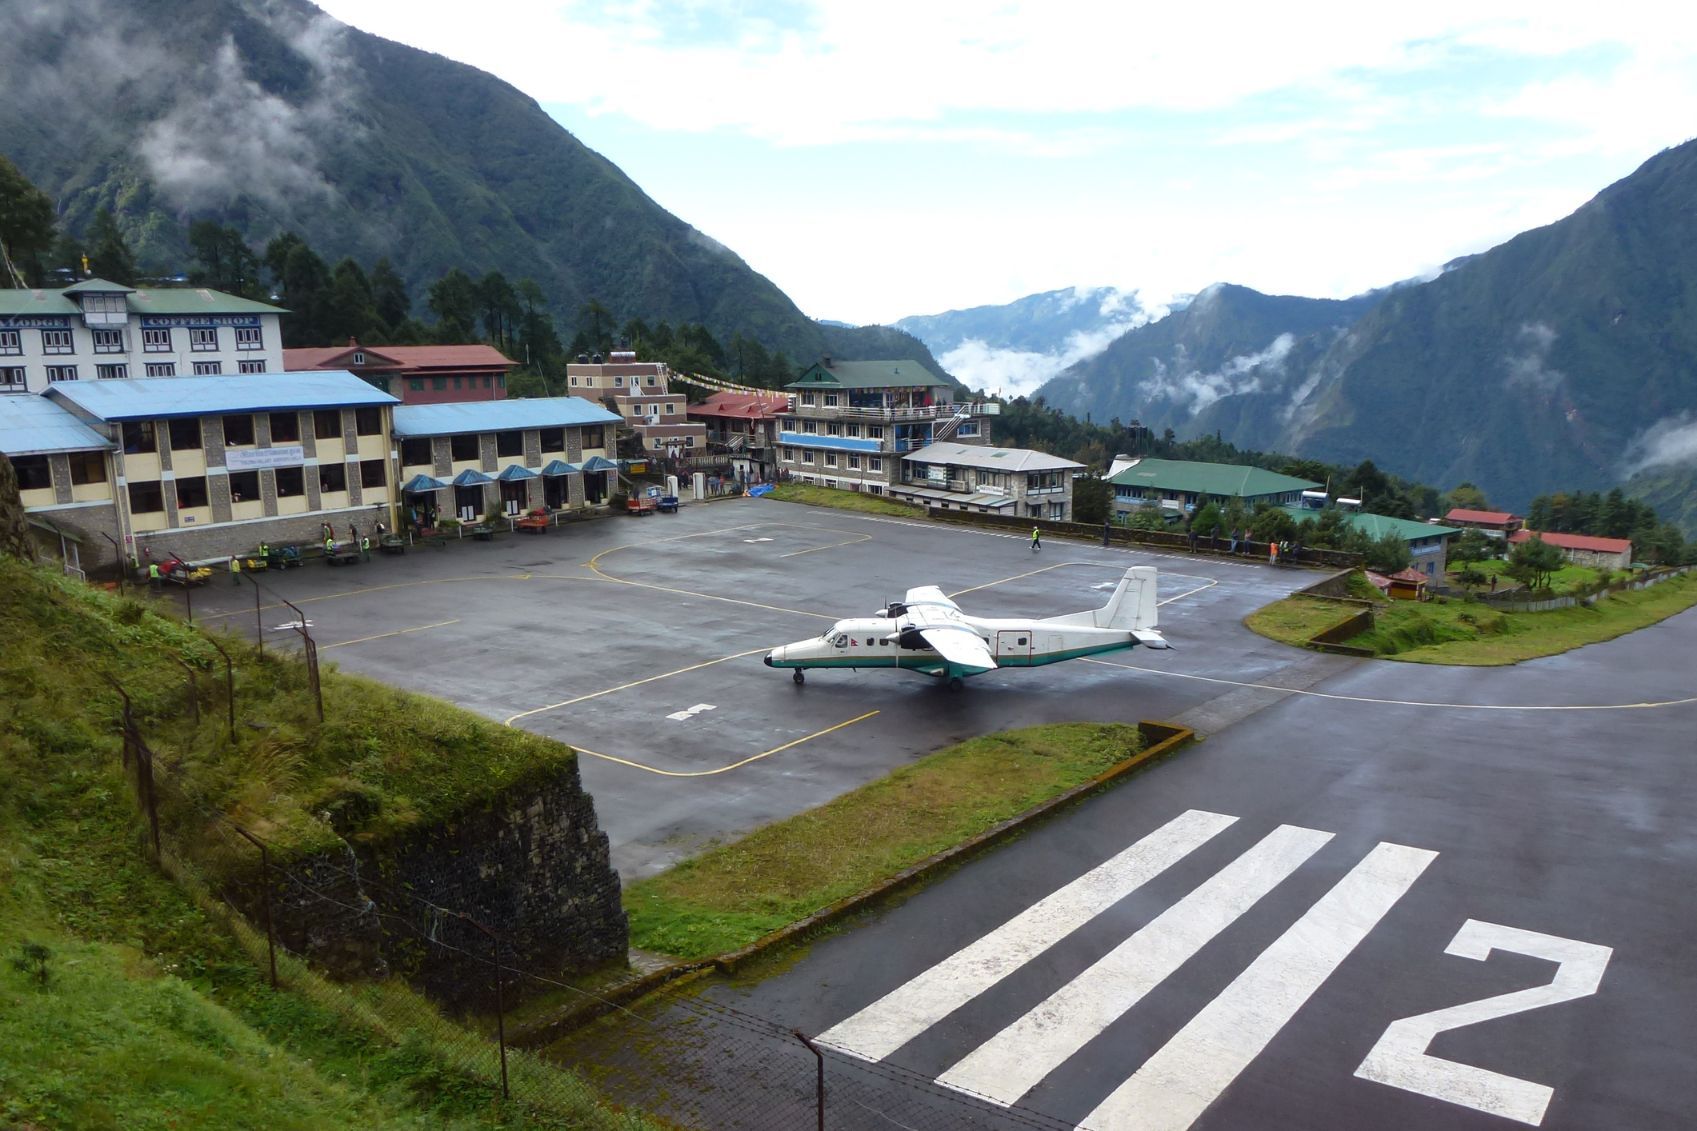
926, 632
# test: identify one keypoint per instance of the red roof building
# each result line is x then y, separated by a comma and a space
416, 374
741, 420
1583, 549
1500, 523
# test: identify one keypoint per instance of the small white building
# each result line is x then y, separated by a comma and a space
96, 330
974, 477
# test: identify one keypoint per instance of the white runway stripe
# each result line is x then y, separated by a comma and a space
1016, 1059
1190, 1071
905, 1012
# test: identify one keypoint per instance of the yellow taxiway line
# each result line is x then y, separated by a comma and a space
511, 719
385, 635
722, 769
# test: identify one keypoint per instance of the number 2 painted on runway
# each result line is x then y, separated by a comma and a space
1400, 1058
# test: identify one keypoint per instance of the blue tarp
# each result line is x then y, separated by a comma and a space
763, 489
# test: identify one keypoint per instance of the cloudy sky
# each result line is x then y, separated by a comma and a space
877, 159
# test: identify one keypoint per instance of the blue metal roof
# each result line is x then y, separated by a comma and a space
34, 425
596, 463
512, 473
420, 483
560, 467
457, 418
159, 398
471, 478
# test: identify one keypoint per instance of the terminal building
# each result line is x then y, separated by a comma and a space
96, 330
641, 393
415, 374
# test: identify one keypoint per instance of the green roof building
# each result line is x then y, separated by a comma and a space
1182, 486
1428, 543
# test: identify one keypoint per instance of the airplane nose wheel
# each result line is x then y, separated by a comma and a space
956, 683
798, 677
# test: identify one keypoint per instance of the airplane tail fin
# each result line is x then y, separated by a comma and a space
1130, 609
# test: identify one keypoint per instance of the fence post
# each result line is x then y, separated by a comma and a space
258, 620
819, 1081
194, 689
229, 684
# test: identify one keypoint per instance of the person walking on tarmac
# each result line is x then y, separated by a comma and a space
1105, 530
235, 570
364, 548
153, 575
1036, 538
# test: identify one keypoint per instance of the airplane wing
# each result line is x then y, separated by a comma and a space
953, 639
928, 596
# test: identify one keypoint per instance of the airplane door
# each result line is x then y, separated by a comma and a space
1013, 643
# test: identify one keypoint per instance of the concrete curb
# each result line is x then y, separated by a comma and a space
1164, 738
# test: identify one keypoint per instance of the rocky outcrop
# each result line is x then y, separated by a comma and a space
531, 869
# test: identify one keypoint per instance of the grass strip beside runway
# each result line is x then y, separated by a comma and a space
729, 896
817, 496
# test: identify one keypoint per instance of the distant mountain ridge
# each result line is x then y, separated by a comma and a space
1564, 359
1218, 347
1014, 347
270, 116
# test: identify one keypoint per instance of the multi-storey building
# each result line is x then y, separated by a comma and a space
100, 330
467, 459
852, 421
975, 477
415, 374
744, 427
641, 394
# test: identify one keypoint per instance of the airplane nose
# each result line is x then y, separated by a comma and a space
768, 659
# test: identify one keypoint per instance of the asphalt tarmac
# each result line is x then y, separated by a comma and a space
1375, 894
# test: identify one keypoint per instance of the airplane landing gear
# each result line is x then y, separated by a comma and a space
798, 677
956, 683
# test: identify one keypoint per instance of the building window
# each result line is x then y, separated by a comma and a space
807, 457
618, 382
11, 342
285, 427
103, 304
593, 437
35, 473
438, 383
501, 381
203, 339
553, 439
463, 447
488, 382
250, 338
789, 455
290, 481
373, 473
112, 372
191, 492
416, 384
830, 400
244, 486
108, 341
830, 459
238, 430
833, 429
332, 477
651, 378
807, 400
875, 463
853, 431
57, 341
146, 498
875, 431
456, 381
12, 379
185, 434
359, 357
156, 341
87, 467
854, 463
161, 369
208, 368
138, 436
415, 453
61, 373
326, 424
250, 367
368, 421
509, 444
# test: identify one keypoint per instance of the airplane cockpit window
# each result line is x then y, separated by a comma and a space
840, 640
